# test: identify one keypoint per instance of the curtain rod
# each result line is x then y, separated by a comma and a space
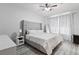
70, 12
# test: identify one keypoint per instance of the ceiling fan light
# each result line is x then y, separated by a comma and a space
47, 9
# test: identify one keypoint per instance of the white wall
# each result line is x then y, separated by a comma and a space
11, 15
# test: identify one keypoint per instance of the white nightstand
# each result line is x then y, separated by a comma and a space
20, 40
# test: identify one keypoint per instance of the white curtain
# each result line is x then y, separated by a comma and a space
53, 23
61, 25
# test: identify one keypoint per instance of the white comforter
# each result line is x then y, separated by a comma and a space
46, 40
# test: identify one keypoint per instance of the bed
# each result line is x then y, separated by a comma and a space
44, 42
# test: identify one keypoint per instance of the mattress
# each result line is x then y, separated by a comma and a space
45, 42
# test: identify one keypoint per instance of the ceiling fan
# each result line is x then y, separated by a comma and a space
48, 7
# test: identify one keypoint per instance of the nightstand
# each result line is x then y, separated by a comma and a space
20, 40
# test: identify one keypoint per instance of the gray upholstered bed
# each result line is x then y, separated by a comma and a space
45, 42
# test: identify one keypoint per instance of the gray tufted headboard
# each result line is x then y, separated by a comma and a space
28, 25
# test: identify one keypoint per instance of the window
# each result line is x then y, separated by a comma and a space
61, 25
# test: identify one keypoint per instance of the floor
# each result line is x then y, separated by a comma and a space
28, 50
66, 48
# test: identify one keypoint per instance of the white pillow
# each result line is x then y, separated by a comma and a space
35, 31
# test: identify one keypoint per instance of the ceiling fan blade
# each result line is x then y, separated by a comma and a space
54, 6
42, 6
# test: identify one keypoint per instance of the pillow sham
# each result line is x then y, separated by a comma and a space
35, 31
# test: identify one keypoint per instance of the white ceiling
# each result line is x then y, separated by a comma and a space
64, 7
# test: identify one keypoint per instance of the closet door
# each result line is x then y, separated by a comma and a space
53, 24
